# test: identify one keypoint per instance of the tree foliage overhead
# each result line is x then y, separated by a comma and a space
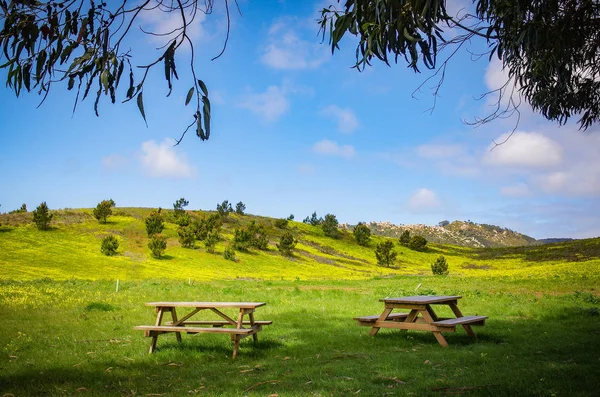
549, 48
84, 43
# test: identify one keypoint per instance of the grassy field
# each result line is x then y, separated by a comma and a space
66, 330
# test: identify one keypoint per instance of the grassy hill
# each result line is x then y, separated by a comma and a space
71, 249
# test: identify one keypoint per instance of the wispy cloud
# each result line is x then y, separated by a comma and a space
525, 149
423, 200
518, 190
286, 50
346, 119
331, 148
163, 160
167, 25
270, 105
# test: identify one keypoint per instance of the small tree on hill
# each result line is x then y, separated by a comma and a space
240, 208
242, 239
211, 241
224, 208
404, 238
103, 210
443, 223
329, 226
109, 246
313, 219
229, 253
291, 217
287, 243
157, 245
260, 240
154, 223
362, 234
386, 256
183, 219
22, 209
440, 266
281, 223
179, 206
187, 237
42, 217
417, 243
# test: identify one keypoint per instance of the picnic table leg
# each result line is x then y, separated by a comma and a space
254, 336
236, 337
159, 317
438, 335
458, 313
236, 345
382, 317
174, 318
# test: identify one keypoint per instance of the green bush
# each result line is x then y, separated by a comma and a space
404, 238
242, 239
229, 253
109, 246
417, 243
187, 238
224, 208
386, 256
287, 243
42, 217
329, 226
211, 241
157, 245
183, 219
440, 266
103, 210
362, 234
240, 208
281, 223
154, 223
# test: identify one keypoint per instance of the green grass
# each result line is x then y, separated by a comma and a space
65, 329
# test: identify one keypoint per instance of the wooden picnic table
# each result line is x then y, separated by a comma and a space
241, 328
421, 317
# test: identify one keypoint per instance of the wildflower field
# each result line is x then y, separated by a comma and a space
67, 330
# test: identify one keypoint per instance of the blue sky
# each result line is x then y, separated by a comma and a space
296, 130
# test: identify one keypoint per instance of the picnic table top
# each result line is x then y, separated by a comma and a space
421, 299
207, 305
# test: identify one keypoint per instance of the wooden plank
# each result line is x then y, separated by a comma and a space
197, 330
174, 317
219, 322
409, 326
208, 305
391, 316
382, 317
472, 320
421, 299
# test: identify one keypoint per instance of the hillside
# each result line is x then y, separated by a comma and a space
71, 249
461, 233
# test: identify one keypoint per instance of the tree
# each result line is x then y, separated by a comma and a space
157, 245
329, 226
242, 239
417, 243
224, 208
313, 219
85, 44
281, 223
240, 208
362, 234
42, 217
440, 266
229, 253
154, 223
179, 206
385, 254
291, 217
103, 210
211, 241
110, 245
443, 223
404, 238
187, 237
287, 243
549, 48
205, 225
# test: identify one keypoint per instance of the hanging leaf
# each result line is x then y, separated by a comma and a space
206, 111
189, 96
140, 103
203, 87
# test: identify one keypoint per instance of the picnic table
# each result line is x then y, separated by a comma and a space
421, 317
241, 328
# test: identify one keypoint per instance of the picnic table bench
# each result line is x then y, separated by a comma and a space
421, 317
241, 328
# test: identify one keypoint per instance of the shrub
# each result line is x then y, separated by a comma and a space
281, 223
42, 217
179, 205
229, 253
386, 256
183, 219
21, 210
240, 208
224, 208
157, 245
242, 239
187, 238
313, 219
329, 226
362, 234
404, 238
103, 210
291, 217
417, 243
440, 266
154, 223
211, 241
287, 243
258, 236
109, 246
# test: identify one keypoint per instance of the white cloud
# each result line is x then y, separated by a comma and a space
423, 200
286, 50
346, 119
518, 190
331, 148
525, 149
271, 104
167, 24
163, 160
114, 162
